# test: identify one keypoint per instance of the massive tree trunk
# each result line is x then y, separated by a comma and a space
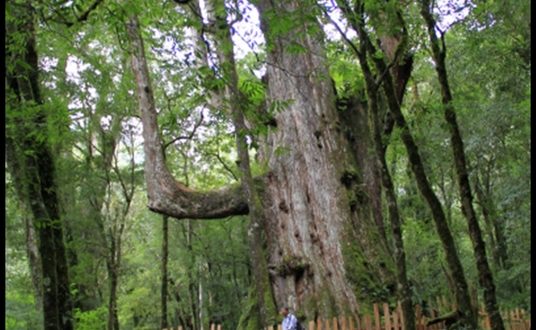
313, 193
34, 155
485, 276
312, 198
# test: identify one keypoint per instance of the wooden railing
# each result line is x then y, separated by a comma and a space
382, 317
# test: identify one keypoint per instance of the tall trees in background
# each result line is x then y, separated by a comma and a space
312, 219
330, 126
31, 161
485, 277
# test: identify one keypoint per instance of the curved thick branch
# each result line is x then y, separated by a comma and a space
166, 195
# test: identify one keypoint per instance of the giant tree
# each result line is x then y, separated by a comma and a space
318, 222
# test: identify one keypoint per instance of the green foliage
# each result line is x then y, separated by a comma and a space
345, 71
91, 320
21, 312
488, 60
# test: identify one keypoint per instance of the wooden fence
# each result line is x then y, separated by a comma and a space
383, 318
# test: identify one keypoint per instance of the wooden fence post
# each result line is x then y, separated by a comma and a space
514, 319
377, 321
342, 321
351, 323
387, 316
396, 324
367, 321
401, 315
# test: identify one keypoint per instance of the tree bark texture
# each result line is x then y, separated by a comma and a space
312, 196
485, 276
36, 159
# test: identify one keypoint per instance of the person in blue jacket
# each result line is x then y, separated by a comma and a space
290, 322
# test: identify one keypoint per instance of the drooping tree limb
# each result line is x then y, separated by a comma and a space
165, 194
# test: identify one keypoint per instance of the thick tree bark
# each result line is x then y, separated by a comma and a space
309, 195
38, 172
485, 276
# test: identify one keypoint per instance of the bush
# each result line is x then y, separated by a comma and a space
91, 320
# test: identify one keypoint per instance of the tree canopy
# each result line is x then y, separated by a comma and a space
210, 161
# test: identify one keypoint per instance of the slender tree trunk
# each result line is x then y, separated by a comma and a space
256, 215
192, 292
113, 322
445, 235
164, 289
466, 314
34, 260
499, 247
200, 303
485, 276
403, 289
484, 206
